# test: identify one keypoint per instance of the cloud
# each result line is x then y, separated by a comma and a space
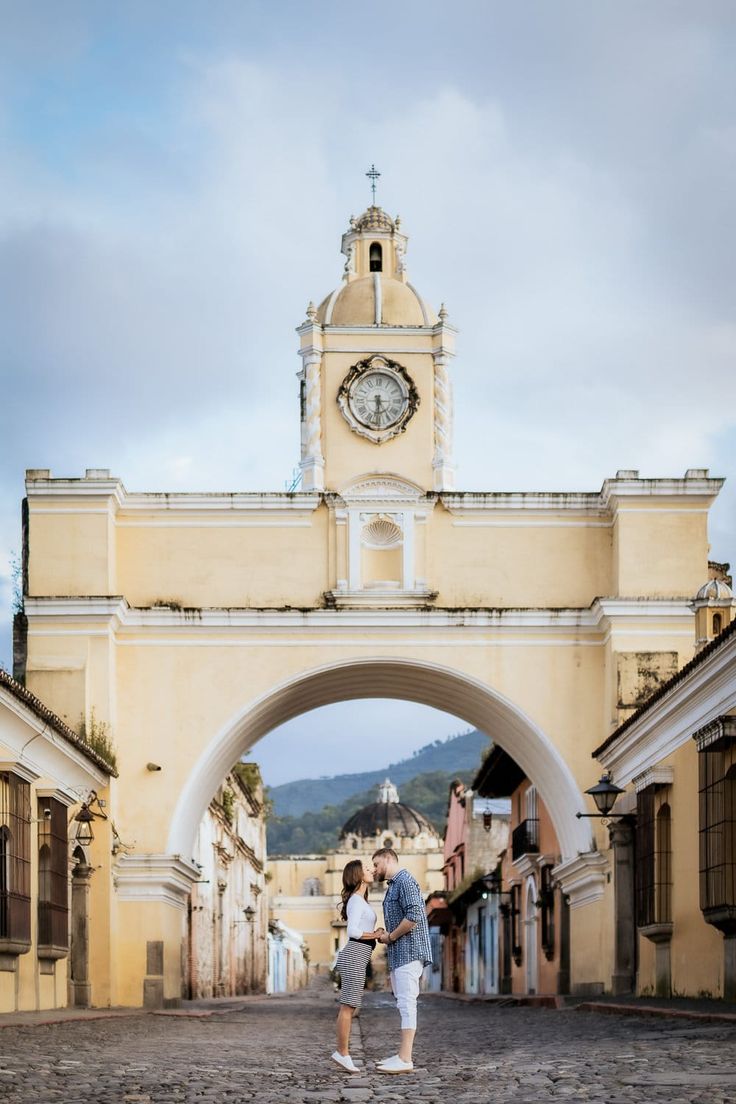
170, 204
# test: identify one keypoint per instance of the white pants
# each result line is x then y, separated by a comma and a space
405, 987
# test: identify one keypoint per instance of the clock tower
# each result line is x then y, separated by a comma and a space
375, 386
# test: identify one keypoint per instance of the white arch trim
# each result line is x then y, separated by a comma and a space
383, 677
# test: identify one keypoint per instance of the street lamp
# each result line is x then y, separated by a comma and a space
250, 914
84, 818
604, 794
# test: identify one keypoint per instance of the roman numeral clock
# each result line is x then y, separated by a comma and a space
378, 398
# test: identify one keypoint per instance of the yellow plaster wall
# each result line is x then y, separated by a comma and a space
660, 552
225, 566
591, 944
71, 553
516, 566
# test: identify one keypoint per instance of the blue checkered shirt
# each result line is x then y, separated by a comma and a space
404, 901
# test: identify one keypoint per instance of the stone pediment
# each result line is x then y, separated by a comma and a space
381, 488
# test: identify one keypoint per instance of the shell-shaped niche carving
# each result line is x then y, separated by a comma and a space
381, 532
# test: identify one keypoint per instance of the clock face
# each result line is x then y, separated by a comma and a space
378, 400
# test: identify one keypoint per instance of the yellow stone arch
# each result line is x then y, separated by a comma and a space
381, 677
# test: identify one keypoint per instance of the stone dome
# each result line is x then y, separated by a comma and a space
387, 816
715, 590
375, 218
375, 300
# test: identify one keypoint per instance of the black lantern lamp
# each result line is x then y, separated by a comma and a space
604, 794
250, 914
487, 821
84, 818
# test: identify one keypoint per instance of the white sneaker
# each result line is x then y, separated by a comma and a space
345, 1061
395, 1065
383, 1061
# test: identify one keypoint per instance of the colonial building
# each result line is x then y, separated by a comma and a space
54, 887
305, 890
534, 947
195, 624
288, 959
467, 915
227, 952
673, 831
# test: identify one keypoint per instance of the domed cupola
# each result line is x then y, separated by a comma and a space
387, 822
714, 607
375, 290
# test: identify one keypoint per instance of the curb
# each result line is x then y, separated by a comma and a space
505, 1001
644, 1010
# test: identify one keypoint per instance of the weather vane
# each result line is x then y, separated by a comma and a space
373, 176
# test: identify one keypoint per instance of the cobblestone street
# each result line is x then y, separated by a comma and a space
277, 1050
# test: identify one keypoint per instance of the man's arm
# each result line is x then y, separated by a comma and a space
403, 928
412, 906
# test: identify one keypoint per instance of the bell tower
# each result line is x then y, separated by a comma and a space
375, 382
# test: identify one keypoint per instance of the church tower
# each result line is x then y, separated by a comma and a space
375, 387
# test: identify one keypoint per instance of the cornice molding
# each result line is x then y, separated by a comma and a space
113, 613
654, 776
717, 732
21, 770
154, 877
583, 878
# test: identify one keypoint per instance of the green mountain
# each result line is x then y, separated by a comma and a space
452, 756
315, 831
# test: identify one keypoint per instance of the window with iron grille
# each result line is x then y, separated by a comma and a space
654, 857
717, 767
53, 884
516, 948
547, 905
15, 863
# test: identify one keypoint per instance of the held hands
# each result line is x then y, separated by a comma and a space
382, 936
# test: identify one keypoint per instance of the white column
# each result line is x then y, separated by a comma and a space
444, 472
312, 463
354, 527
408, 562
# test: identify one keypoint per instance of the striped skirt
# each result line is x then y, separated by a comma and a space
352, 963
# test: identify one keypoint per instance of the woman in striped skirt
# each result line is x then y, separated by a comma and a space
352, 961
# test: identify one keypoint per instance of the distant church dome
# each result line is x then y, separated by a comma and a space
388, 817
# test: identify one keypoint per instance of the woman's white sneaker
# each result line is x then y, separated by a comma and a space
345, 1061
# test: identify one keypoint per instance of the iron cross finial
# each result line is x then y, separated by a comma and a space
373, 176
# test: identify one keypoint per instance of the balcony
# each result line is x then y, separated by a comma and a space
525, 839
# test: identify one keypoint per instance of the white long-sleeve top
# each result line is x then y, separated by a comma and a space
361, 917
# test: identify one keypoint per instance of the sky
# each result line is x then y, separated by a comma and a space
175, 178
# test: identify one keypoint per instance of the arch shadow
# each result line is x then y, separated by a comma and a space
406, 679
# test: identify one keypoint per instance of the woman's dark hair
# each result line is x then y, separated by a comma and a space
352, 876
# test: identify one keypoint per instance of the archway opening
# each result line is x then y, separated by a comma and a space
410, 680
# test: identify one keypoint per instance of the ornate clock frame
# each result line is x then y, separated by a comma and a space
378, 363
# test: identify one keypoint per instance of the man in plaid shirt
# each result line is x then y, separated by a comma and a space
407, 947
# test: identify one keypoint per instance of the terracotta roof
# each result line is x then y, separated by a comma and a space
60, 727
665, 688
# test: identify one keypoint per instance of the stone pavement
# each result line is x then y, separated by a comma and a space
276, 1051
